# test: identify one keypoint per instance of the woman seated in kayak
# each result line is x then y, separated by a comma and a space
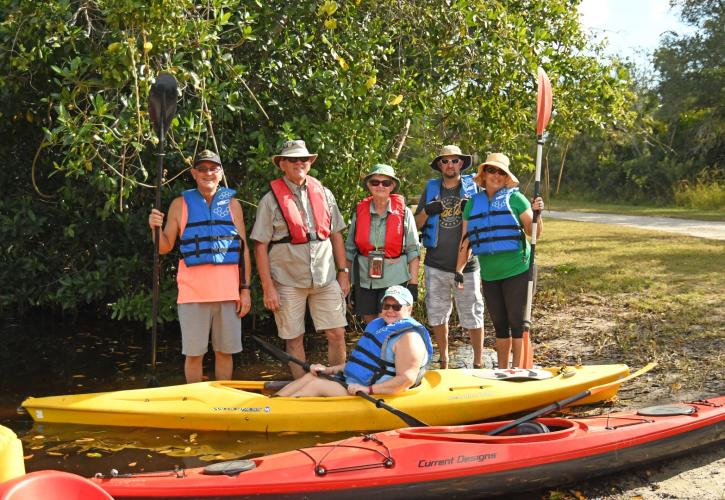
390, 356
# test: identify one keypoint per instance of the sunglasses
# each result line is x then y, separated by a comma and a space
208, 170
376, 182
453, 161
493, 170
296, 159
394, 307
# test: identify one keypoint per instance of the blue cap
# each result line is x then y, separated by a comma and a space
400, 294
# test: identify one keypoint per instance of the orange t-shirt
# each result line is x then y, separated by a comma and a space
206, 282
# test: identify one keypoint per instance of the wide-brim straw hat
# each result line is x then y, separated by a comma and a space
451, 150
498, 160
294, 149
382, 169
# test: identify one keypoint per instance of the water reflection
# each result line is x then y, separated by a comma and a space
94, 356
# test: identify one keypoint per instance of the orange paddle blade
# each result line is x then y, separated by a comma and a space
528, 354
543, 102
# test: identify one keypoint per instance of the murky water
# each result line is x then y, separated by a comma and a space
51, 358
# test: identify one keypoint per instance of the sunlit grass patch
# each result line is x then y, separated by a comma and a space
654, 296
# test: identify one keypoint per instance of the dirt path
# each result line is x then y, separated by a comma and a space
700, 229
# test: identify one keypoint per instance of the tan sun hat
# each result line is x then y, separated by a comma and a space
451, 150
498, 160
293, 149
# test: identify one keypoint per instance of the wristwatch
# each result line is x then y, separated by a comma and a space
343, 270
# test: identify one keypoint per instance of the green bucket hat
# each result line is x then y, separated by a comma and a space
382, 169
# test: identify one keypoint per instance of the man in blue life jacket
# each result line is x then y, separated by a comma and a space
390, 357
438, 216
213, 281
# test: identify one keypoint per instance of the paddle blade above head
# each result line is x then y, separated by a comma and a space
543, 102
162, 102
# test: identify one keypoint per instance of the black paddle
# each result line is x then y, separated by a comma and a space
162, 108
567, 401
379, 403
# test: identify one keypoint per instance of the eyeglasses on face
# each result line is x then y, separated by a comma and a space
376, 182
394, 307
297, 159
454, 161
208, 170
493, 170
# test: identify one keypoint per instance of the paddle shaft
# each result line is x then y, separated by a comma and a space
543, 112
157, 234
567, 401
379, 403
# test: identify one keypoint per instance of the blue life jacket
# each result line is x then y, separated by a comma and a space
492, 226
210, 236
373, 360
432, 192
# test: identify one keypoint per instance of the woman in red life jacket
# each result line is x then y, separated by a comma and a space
382, 245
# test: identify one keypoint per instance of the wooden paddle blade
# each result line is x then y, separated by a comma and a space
543, 102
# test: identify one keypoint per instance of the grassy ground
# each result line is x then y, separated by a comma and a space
611, 208
613, 294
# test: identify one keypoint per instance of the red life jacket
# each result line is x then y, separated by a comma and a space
394, 227
293, 217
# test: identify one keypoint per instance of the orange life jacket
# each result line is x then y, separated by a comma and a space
394, 227
293, 217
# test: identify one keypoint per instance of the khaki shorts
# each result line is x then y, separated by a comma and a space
198, 318
327, 307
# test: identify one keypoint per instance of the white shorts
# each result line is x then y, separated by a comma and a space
440, 289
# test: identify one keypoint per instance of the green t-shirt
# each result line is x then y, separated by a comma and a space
504, 265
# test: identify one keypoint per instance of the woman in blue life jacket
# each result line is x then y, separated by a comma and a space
495, 223
390, 357
382, 247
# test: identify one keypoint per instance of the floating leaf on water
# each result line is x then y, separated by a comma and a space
78, 375
132, 464
28, 457
193, 437
288, 433
39, 436
84, 440
187, 449
39, 447
93, 454
54, 453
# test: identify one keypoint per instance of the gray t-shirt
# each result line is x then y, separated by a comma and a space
444, 256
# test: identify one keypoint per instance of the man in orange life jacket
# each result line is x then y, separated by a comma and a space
212, 294
300, 255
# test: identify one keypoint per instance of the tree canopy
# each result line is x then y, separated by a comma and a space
359, 80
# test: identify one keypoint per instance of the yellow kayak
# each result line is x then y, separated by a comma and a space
444, 397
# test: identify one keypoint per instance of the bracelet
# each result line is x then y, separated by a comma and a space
370, 389
244, 287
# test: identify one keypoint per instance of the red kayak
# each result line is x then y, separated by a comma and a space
461, 461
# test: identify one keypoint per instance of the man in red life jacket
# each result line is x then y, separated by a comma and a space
300, 255
212, 294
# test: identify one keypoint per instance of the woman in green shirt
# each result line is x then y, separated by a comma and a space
494, 224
